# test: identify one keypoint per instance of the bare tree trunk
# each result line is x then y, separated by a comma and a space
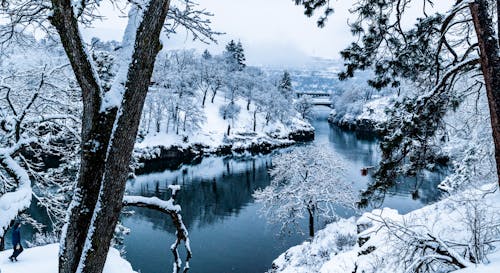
101, 182
311, 220
255, 120
204, 98
146, 47
213, 96
490, 65
184, 122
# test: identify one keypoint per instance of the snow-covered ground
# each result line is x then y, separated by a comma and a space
386, 241
44, 260
373, 113
212, 133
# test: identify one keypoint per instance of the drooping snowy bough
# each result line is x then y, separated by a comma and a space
18, 200
169, 207
110, 117
32, 121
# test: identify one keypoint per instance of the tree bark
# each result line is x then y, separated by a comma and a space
204, 98
96, 129
490, 65
311, 221
96, 171
255, 120
146, 47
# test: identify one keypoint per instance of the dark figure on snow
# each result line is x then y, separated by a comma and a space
16, 242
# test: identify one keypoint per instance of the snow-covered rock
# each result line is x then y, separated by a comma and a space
372, 114
387, 241
44, 260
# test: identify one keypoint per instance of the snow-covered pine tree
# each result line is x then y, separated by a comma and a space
285, 83
434, 55
285, 87
240, 55
206, 55
235, 56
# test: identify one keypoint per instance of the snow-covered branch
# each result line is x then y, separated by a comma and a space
14, 202
168, 207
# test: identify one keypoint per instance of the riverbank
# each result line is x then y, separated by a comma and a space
248, 132
367, 120
217, 204
439, 235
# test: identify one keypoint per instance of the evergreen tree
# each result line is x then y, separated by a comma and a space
240, 55
437, 55
235, 56
206, 55
285, 84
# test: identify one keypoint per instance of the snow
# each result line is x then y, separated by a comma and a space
388, 235
11, 203
213, 132
492, 267
44, 260
113, 97
166, 205
310, 256
373, 112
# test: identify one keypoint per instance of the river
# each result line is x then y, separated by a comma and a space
226, 232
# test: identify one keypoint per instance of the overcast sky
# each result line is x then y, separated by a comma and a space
273, 32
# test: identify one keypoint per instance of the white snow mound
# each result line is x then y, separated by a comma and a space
44, 260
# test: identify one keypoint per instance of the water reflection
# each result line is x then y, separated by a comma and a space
227, 234
211, 191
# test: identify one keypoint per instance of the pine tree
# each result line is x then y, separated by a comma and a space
240, 55
436, 55
285, 84
235, 56
206, 55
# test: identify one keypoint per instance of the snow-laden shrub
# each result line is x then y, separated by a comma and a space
42, 239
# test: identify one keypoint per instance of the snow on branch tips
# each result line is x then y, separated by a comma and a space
307, 181
169, 207
186, 13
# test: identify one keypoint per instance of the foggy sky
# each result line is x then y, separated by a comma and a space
273, 32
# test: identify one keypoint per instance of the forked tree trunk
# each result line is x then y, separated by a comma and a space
97, 203
490, 65
96, 128
213, 96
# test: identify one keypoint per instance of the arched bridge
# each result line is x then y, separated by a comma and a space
319, 98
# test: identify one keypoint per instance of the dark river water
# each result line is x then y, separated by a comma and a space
226, 232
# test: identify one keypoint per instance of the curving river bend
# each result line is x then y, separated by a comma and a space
226, 232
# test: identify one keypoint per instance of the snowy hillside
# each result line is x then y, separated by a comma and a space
445, 235
44, 260
316, 75
213, 132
